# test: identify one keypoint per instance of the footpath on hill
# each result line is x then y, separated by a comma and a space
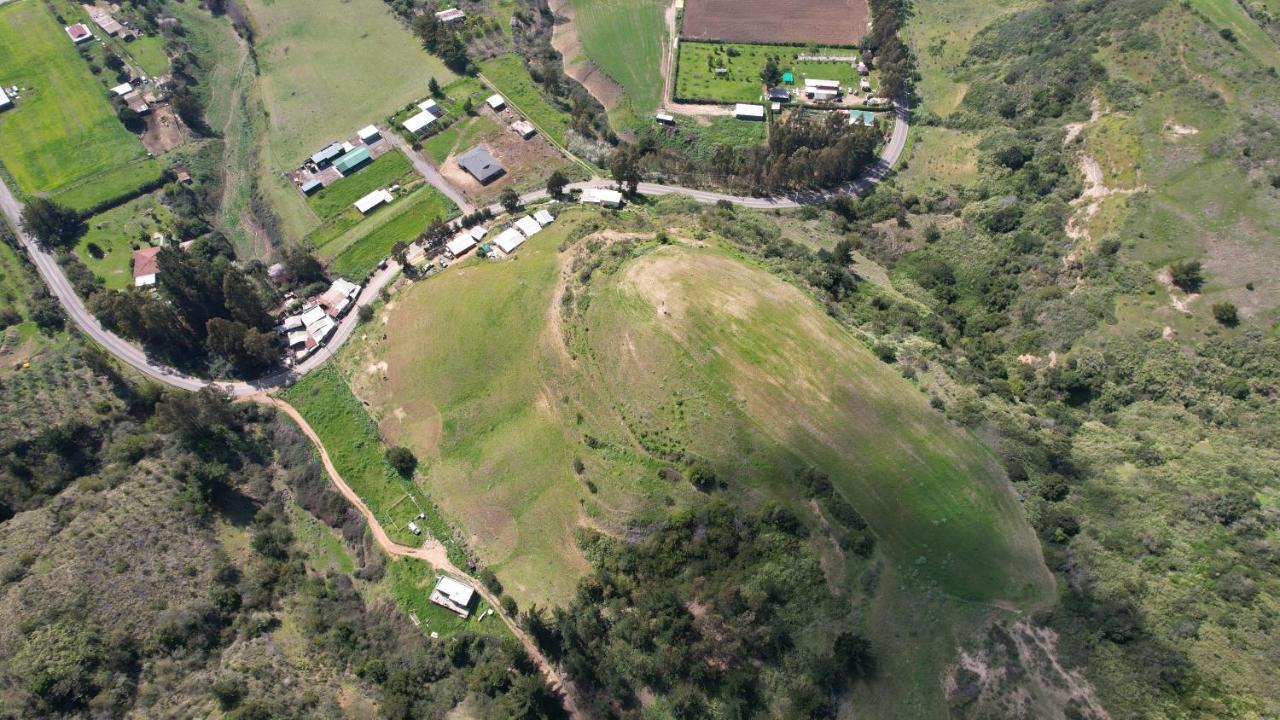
432, 552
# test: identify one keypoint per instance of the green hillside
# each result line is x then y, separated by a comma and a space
494, 375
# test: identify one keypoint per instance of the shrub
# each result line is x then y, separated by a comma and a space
1187, 275
1225, 313
403, 460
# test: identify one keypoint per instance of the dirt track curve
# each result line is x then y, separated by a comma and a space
432, 551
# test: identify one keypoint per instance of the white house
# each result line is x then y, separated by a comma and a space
508, 240
743, 111
603, 197
419, 122
373, 200
122, 89
460, 244
825, 84
496, 102
369, 134
665, 119
478, 232
5, 102
431, 106
450, 15
453, 595
528, 226
543, 217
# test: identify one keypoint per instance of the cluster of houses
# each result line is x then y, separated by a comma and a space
318, 318
428, 112
338, 160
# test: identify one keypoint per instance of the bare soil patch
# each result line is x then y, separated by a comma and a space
831, 22
528, 163
164, 130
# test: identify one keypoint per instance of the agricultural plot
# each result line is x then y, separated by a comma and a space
830, 22
625, 41
107, 247
697, 79
358, 252
507, 73
63, 136
382, 172
324, 75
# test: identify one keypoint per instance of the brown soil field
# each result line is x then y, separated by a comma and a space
822, 22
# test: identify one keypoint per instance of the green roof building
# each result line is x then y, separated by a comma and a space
352, 161
788, 78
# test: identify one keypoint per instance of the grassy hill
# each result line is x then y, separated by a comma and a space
538, 418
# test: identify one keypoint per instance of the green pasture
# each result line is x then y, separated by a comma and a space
353, 444
698, 138
63, 131
362, 253
107, 247
508, 75
329, 67
757, 378
625, 40
460, 136
940, 158
384, 171
696, 78
1228, 14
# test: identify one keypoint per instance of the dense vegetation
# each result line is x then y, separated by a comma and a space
172, 615
717, 613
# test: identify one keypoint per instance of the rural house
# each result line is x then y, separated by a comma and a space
453, 595
508, 240
496, 102
78, 33
528, 226
743, 111
482, 166
602, 197
146, 265
523, 128
450, 15
330, 153
460, 244
367, 203
431, 106
369, 134
778, 94
419, 122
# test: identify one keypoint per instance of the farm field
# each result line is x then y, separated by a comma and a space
696, 79
107, 247
363, 248
458, 137
339, 196
831, 22
625, 40
507, 73
479, 380
63, 132
323, 77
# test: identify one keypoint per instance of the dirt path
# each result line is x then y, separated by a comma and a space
432, 552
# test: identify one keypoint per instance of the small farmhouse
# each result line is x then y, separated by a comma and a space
78, 33
496, 102
431, 106
369, 134
419, 122
367, 203
602, 197
122, 89
460, 244
743, 111
508, 240
481, 165
528, 226
330, 153
146, 266
353, 161
543, 217
453, 595
450, 15
523, 128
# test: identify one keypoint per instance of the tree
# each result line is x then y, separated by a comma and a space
403, 460
556, 184
510, 200
53, 225
242, 346
770, 73
433, 87
243, 301
303, 269
1225, 313
1187, 274
624, 170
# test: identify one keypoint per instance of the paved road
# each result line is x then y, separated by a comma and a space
134, 356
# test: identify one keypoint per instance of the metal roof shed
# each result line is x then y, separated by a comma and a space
742, 111
352, 161
482, 166
369, 134
508, 240
528, 226
496, 102
419, 122
311, 187
328, 154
